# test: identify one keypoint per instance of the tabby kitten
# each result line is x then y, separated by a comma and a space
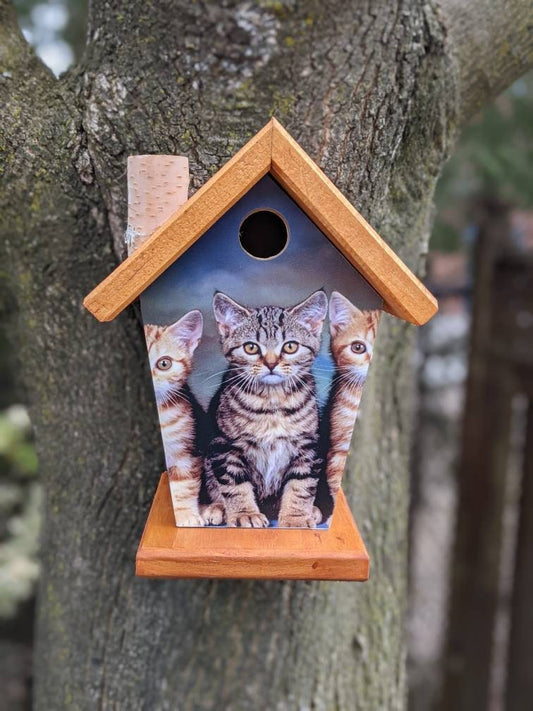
170, 352
352, 334
263, 461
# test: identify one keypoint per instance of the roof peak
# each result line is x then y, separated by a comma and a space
271, 150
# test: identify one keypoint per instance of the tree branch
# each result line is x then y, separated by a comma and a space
492, 41
19, 67
13, 46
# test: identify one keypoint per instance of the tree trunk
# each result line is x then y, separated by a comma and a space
374, 92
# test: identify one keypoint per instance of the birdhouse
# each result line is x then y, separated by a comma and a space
260, 298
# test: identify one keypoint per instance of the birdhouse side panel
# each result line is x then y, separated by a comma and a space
259, 341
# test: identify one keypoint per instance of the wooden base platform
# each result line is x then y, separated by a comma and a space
166, 551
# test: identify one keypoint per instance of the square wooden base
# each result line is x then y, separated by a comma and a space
166, 551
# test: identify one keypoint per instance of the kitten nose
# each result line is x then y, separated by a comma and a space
271, 361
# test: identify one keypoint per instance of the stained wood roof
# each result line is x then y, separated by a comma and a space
273, 151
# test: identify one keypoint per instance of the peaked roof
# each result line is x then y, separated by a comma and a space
274, 151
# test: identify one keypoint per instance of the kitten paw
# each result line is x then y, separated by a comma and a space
213, 514
188, 518
247, 519
317, 515
302, 521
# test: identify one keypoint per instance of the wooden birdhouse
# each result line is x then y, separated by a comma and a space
260, 297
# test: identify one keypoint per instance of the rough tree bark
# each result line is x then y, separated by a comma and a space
375, 92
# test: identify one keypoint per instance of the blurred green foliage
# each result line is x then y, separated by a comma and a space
20, 498
16, 450
493, 159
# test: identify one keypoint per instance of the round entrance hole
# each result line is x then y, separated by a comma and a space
263, 234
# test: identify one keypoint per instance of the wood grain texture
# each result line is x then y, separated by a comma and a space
169, 552
403, 294
274, 150
182, 229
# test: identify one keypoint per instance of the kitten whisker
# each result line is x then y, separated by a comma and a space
236, 381
173, 397
249, 384
240, 381
305, 386
323, 378
222, 372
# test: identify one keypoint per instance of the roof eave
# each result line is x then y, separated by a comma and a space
271, 150
403, 294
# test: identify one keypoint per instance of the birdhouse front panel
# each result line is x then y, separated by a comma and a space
259, 341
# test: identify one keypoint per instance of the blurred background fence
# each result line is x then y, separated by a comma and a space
472, 510
471, 532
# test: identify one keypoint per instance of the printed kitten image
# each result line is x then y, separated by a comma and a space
263, 461
170, 352
352, 334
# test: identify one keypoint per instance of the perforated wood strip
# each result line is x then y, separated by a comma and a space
157, 186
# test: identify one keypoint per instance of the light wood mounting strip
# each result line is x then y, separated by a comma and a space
158, 185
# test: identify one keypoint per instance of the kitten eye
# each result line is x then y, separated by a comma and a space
290, 347
358, 347
251, 348
164, 363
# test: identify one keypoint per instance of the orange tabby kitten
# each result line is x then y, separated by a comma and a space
352, 334
170, 351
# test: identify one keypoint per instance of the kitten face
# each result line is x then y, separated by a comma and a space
170, 351
270, 346
352, 338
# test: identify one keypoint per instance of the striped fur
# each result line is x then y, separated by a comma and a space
352, 334
263, 460
170, 352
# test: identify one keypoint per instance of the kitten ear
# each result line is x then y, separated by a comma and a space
228, 313
149, 332
188, 330
375, 317
312, 311
341, 312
